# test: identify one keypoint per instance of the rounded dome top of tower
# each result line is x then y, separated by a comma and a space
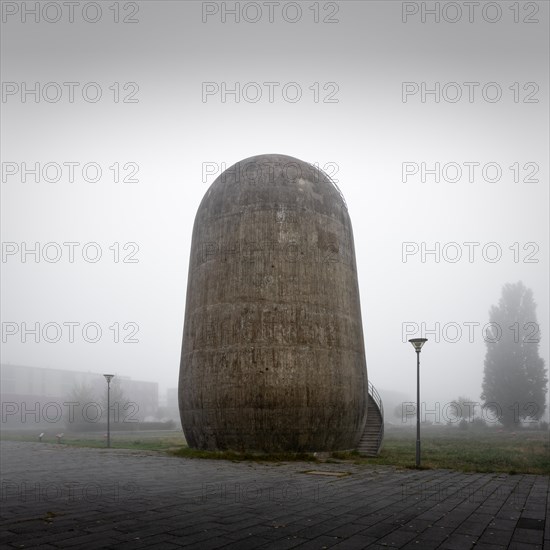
273, 179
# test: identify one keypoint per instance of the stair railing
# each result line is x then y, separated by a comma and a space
375, 396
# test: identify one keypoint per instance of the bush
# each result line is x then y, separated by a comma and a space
478, 423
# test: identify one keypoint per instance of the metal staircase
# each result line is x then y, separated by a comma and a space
373, 434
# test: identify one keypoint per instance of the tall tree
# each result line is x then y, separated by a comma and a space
82, 405
514, 382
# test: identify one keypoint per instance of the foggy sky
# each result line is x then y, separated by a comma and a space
366, 135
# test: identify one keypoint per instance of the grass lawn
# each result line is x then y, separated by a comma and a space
491, 450
161, 440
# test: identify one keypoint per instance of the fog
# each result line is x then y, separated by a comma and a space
365, 115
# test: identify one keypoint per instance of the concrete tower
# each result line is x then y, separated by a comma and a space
273, 356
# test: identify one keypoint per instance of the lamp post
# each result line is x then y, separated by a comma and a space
109, 377
417, 344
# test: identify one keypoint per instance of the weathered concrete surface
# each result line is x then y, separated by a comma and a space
64, 497
273, 354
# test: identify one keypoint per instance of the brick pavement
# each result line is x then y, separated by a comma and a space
54, 496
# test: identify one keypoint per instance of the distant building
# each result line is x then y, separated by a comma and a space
34, 395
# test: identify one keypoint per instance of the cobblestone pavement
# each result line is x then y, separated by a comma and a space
55, 496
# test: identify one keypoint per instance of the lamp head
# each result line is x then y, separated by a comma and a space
418, 343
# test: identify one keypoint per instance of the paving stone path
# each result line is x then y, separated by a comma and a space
55, 496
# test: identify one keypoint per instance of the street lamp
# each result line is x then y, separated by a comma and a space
109, 377
417, 344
